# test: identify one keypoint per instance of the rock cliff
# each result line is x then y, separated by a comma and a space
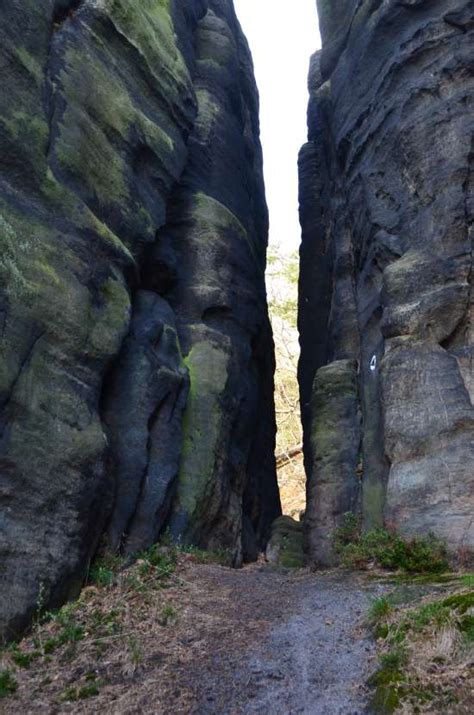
136, 368
386, 307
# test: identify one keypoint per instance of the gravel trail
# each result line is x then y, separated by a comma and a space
255, 641
314, 655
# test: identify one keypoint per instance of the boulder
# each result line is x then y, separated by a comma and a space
285, 547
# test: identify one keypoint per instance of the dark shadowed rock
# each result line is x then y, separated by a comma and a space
212, 244
144, 402
386, 210
116, 137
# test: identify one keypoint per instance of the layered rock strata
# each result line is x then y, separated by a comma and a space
386, 270
136, 354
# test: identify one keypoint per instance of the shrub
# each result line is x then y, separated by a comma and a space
387, 549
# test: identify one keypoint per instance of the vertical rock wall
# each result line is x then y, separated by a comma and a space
135, 349
386, 270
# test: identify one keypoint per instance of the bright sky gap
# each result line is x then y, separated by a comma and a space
282, 41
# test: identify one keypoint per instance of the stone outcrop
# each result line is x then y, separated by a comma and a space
334, 444
136, 353
285, 547
386, 199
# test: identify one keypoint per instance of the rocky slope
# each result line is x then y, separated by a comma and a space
386, 371
136, 354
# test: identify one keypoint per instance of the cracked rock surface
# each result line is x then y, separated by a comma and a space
136, 355
386, 195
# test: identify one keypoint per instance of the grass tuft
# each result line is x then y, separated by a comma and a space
427, 650
8, 684
104, 570
387, 549
379, 610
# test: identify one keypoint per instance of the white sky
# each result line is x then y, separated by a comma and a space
282, 35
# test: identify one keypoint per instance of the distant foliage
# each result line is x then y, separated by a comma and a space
282, 283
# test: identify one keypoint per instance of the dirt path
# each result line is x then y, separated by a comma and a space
313, 656
242, 642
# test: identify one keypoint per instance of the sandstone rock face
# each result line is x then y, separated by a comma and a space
387, 216
135, 349
334, 443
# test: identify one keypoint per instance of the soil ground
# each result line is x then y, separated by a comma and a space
257, 640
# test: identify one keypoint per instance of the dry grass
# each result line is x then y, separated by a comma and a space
96, 648
427, 654
147, 642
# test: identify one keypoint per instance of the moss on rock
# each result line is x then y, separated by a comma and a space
208, 371
285, 547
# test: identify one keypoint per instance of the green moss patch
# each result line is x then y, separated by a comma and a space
208, 370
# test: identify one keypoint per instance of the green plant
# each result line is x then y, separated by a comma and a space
88, 691
168, 614
424, 650
136, 654
348, 532
104, 623
379, 610
460, 601
21, 659
387, 681
69, 630
387, 549
466, 626
103, 571
82, 692
50, 645
101, 576
386, 698
453, 611
394, 660
8, 684
222, 557
159, 560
